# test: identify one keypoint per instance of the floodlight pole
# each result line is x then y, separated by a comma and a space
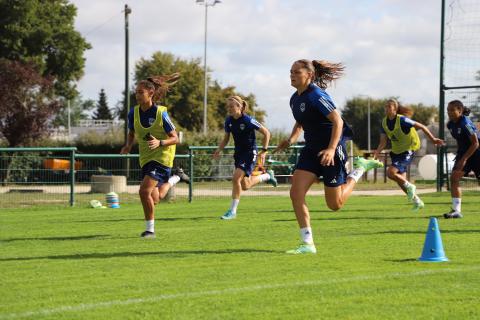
207, 4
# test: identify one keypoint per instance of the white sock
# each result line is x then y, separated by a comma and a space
457, 204
306, 235
173, 180
234, 205
264, 177
356, 174
150, 225
406, 184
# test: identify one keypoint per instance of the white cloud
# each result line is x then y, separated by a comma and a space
390, 47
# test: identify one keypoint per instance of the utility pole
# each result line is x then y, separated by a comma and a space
127, 11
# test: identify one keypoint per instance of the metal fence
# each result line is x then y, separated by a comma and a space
34, 176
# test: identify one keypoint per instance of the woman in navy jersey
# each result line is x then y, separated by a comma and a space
324, 154
401, 131
242, 127
155, 133
468, 152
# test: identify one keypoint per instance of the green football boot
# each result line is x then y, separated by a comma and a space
411, 192
366, 164
303, 248
417, 205
273, 180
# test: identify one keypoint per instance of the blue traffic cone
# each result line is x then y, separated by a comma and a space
433, 247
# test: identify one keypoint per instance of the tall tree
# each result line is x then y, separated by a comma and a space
43, 32
102, 112
185, 100
27, 103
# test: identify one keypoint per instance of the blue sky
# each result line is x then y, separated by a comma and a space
389, 47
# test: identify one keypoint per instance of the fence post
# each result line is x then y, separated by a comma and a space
190, 185
72, 178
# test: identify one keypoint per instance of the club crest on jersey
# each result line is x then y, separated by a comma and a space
302, 106
242, 126
459, 130
151, 121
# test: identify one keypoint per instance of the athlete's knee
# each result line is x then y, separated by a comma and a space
296, 195
391, 172
144, 192
335, 205
245, 184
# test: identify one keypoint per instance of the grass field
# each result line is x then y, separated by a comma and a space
82, 263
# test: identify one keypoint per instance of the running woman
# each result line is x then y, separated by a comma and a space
324, 154
401, 131
468, 152
151, 126
242, 127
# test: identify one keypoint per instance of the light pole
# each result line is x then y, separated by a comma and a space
207, 4
369, 145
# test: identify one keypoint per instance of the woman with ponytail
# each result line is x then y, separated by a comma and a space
468, 152
402, 132
242, 127
324, 154
151, 126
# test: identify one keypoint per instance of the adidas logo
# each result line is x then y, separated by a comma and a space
333, 180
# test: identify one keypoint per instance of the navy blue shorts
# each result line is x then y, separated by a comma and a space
333, 176
472, 164
246, 161
402, 160
156, 171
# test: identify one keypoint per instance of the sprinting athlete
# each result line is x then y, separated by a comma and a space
401, 131
151, 126
324, 154
242, 127
468, 152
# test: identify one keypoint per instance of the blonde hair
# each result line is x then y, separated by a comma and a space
243, 104
324, 72
404, 111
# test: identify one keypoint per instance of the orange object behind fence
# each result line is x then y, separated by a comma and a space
60, 164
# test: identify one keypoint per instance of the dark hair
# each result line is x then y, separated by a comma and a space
240, 101
403, 110
324, 72
459, 105
160, 84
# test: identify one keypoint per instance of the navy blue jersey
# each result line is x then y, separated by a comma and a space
147, 118
462, 130
243, 132
405, 124
310, 109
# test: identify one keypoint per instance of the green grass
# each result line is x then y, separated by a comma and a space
81, 263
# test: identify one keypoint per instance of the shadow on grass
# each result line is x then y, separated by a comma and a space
138, 254
354, 218
403, 260
67, 238
140, 219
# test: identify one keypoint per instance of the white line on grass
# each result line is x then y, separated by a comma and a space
183, 295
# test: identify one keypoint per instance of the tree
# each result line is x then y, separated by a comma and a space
102, 112
185, 100
27, 103
78, 111
43, 32
355, 113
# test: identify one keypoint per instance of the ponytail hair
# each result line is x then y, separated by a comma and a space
459, 105
162, 84
243, 104
403, 110
324, 72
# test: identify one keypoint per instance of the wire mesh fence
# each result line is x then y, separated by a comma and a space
37, 176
